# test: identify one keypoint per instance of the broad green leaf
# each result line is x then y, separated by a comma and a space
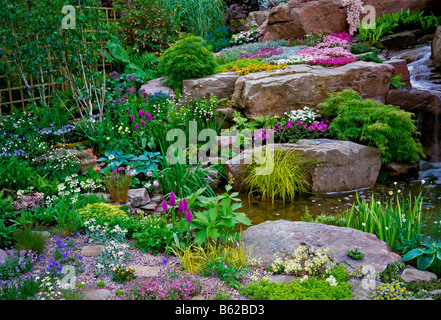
424, 261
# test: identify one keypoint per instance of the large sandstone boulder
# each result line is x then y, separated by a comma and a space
221, 85
297, 86
284, 237
344, 165
436, 48
295, 18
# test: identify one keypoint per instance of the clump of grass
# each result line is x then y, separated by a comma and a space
194, 257
30, 239
287, 178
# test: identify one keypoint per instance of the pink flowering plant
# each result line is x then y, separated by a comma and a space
174, 286
332, 51
296, 125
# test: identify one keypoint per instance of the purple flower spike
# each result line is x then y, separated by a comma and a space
172, 199
182, 205
132, 118
188, 215
142, 123
164, 205
136, 127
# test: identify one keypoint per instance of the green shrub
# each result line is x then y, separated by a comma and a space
186, 59
385, 127
303, 289
360, 47
147, 25
152, 237
371, 57
102, 211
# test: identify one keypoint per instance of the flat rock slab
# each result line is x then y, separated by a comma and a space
145, 271
92, 251
97, 294
284, 237
412, 274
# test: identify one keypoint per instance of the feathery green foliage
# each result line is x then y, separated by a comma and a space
186, 59
385, 127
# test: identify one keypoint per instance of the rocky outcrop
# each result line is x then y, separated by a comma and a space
284, 237
426, 105
405, 39
295, 18
436, 48
297, 86
221, 85
343, 165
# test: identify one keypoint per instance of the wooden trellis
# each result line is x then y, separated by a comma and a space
13, 92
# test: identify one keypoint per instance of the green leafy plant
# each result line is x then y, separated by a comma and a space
428, 256
224, 270
219, 219
152, 236
392, 272
385, 127
117, 184
355, 254
140, 65
186, 59
371, 57
396, 82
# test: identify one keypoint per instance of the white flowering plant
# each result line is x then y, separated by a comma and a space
304, 261
114, 255
306, 115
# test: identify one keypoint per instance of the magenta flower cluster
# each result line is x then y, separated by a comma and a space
178, 287
299, 130
182, 206
263, 53
143, 115
333, 51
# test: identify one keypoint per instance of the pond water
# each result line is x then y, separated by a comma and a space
337, 203
422, 77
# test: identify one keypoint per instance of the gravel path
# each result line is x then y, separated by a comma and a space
209, 284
